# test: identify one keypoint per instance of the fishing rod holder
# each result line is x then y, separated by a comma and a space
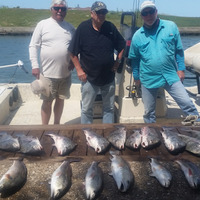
20, 64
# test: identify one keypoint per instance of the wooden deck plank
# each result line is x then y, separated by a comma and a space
47, 142
70, 135
79, 138
41, 168
76, 134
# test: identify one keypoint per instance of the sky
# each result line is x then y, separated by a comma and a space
187, 8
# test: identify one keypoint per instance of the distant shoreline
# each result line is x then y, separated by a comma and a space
29, 30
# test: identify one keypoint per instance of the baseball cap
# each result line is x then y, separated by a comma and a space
147, 4
59, 2
98, 5
40, 86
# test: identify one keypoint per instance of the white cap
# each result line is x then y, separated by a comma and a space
147, 4
40, 86
59, 2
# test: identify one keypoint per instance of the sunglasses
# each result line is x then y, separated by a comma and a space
101, 12
150, 12
63, 9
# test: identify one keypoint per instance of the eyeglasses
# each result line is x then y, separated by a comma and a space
150, 12
101, 12
63, 9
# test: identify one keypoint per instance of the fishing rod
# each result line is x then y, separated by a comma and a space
20, 64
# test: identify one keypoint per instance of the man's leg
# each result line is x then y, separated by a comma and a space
46, 111
89, 93
149, 99
108, 96
58, 110
179, 94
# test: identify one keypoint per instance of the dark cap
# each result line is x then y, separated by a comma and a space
98, 5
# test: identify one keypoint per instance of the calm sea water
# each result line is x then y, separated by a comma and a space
14, 48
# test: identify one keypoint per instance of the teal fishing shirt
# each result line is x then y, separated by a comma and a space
157, 55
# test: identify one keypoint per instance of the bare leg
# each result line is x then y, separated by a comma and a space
58, 110
46, 111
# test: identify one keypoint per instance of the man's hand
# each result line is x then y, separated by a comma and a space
71, 66
115, 66
36, 73
82, 75
137, 82
181, 75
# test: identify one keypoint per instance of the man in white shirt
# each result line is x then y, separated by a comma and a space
49, 56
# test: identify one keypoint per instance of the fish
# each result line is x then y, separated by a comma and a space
118, 137
191, 172
149, 137
61, 180
14, 178
121, 172
172, 141
134, 140
97, 142
160, 173
29, 144
64, 145
8, 143
93, 180
193, 133
192, 144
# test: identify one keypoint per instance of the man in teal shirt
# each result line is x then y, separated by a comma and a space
157, 60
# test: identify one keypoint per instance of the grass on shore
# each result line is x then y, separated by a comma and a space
16, 17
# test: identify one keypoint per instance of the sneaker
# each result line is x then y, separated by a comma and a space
197, 122
189, 120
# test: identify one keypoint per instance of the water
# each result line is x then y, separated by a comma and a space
14, 48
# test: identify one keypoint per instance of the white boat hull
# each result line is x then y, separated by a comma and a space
192, 57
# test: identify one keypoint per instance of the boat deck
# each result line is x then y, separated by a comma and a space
26, 111
40, 168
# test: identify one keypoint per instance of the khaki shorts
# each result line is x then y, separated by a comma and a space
59, 88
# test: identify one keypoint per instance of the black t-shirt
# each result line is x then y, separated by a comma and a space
96, 50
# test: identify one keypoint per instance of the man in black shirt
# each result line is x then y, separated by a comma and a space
95, 40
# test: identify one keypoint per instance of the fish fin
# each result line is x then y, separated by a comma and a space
49, 182
151, 174
119, 126
110, 174
86, 129
114, 153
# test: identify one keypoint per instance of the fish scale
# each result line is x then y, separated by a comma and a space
96, 141
191, 172
134, 140
121, 172
118, 137
29, 144
149, 137
64, 145
15, 176
8, 143
160, 172
61, 180
172, 141
93, 180
192, 144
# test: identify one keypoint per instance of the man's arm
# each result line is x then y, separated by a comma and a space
118, 60
80, 73
180, 64
34, 47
